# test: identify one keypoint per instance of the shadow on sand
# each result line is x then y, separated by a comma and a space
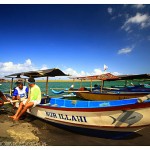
88, 132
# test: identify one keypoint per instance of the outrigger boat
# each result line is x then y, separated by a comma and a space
113, 93
119, 115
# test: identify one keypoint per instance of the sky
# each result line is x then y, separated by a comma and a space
76, 38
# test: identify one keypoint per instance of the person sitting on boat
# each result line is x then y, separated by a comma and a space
20, 91
3, 98
34, 98
96, 87
144, 98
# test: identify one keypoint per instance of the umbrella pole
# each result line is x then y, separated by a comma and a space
47, 85
11, 86
91, 85
102, 86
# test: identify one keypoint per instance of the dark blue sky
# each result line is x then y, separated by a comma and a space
80, 37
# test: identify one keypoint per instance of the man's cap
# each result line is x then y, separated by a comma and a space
31, 80
19, 82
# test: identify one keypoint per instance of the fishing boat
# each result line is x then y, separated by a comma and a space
126, 115
119, 115
110, 95
113, 93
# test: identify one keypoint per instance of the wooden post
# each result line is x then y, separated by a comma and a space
91, 85
47, 85
11, 86
102, 86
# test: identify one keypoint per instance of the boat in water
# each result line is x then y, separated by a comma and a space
97, 96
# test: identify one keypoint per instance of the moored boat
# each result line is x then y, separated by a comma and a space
119, 116
110, 95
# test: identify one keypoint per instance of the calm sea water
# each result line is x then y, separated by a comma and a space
63, 85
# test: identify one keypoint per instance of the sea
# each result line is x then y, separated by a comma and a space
64, 85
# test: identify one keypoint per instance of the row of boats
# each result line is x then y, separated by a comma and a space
108, 109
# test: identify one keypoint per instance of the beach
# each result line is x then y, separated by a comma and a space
32, 131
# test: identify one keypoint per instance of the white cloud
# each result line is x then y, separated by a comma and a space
125, 50
28, 62
44, 67
139, 18
97, 72
110, 10
73, 72
143, 20
116, 73
7, 68
138, 6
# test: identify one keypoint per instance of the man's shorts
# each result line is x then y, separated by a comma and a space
36, 102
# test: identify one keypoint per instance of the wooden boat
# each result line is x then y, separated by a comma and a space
109, 96
119, 115
112, 93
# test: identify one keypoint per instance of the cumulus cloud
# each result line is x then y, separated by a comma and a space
7, 68
142, 20
97, 72
125, 50
138, 6
110, 10
73, 72
44, 67
116, 73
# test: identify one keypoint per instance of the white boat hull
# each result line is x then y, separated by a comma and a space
125, 120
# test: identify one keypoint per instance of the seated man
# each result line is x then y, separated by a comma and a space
144, 98
20, 91
2, 96
34, 99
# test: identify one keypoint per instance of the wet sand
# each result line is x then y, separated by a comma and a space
34, 131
